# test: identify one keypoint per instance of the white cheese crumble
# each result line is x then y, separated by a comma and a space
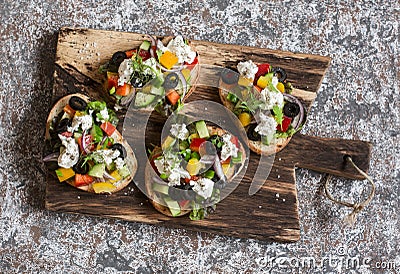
125, 71
181, 50
70, 155
104, 114
203, 187
271, 99
267, 125
152, 66
169, 164
119, 163
85, 121
228, 148
179, 131
105, 156
247, 69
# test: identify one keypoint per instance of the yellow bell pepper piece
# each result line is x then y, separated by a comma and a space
263, 82
168, 59
245, 118
169, 141
281, 87
116, 175
186, 73
244, 81
193, 166
103, 187
64, 174
226, 167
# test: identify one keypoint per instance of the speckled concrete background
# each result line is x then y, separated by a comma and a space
359, 99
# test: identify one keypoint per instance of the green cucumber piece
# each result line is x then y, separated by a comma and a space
157, 91
237, 159
124, 171
202, 129
173, 206
161, 188
143, 99
145, 45
97, 170
209, 174
158, 81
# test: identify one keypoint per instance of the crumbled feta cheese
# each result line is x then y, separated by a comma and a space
228, 148
271, 99
179, 131
119, 163
274, 81
181, 50
203, 187
125, 71
85, 121
104, 114
152, 66
247, 69
167, 162
267, 125
105, 156
70, 155
161, 46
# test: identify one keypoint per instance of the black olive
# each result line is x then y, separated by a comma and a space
174, 193
118, 58
171, 81
252, 134
77, 103
280, 73
229, 76
63, 125
291, 109
81, 167
120, 148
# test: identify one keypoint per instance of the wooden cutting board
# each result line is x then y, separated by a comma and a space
270, 214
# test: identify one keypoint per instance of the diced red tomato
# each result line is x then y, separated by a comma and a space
173, 97
193, 64
88, 142
108, 128
285, 124
262, 70
196, 143
69, 110
144, 54
193, 178
183, 203
67, 134
235, 140
227, 161
83, 179
112, 80
123, 90
130, 53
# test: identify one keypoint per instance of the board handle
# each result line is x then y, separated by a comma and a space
329, 155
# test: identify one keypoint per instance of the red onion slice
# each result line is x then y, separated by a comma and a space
153, 47
174, 69
293, 99
107, 176
53, 157
84, 144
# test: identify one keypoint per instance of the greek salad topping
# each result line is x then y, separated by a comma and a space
85, 121
247, 69
228, 148
181, 50
70, 154
179, 131
267, 125
203, 187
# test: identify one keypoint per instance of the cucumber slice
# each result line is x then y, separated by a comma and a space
124, 172
237, 159
201, 128
143, 99
157, 91
145, 45
161, 188
173, 206
97, 170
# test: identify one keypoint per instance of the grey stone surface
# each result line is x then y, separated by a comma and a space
359, 99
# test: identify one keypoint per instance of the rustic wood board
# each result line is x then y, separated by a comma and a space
262, 216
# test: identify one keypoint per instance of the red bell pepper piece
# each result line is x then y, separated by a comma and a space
173, 97
108, 128
69, 110
144, 54
123, 90
130, 53
112, 80
196, 143
83, 179
262, 70
285, 124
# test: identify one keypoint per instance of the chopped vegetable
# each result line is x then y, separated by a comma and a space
244, 81
69, 110
285, 124
263, 69
130, 53
64, 174
108, 128
103, 187
173, 97
83, 179
193, 166
245, 118
196, 143
112, 80
281, 87
168, 59
123, 90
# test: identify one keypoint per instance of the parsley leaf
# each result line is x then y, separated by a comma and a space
278, 114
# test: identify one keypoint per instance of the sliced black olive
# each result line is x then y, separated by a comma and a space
171, 81
252, 134
120, 148
280, 73
229, 76
63, 125
81, 167
291, 109
77, 103
118, 58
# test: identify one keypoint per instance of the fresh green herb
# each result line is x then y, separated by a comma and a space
159, 53
96, 133
59, 173
278, 114
209, 174
97, 105
163, 176
112, 90
232, 97
112, 117
197, 213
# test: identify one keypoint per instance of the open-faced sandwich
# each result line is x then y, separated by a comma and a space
86, 149
195, 164
153, 75
260, 97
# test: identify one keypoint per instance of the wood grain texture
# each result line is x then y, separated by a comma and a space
270, 214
